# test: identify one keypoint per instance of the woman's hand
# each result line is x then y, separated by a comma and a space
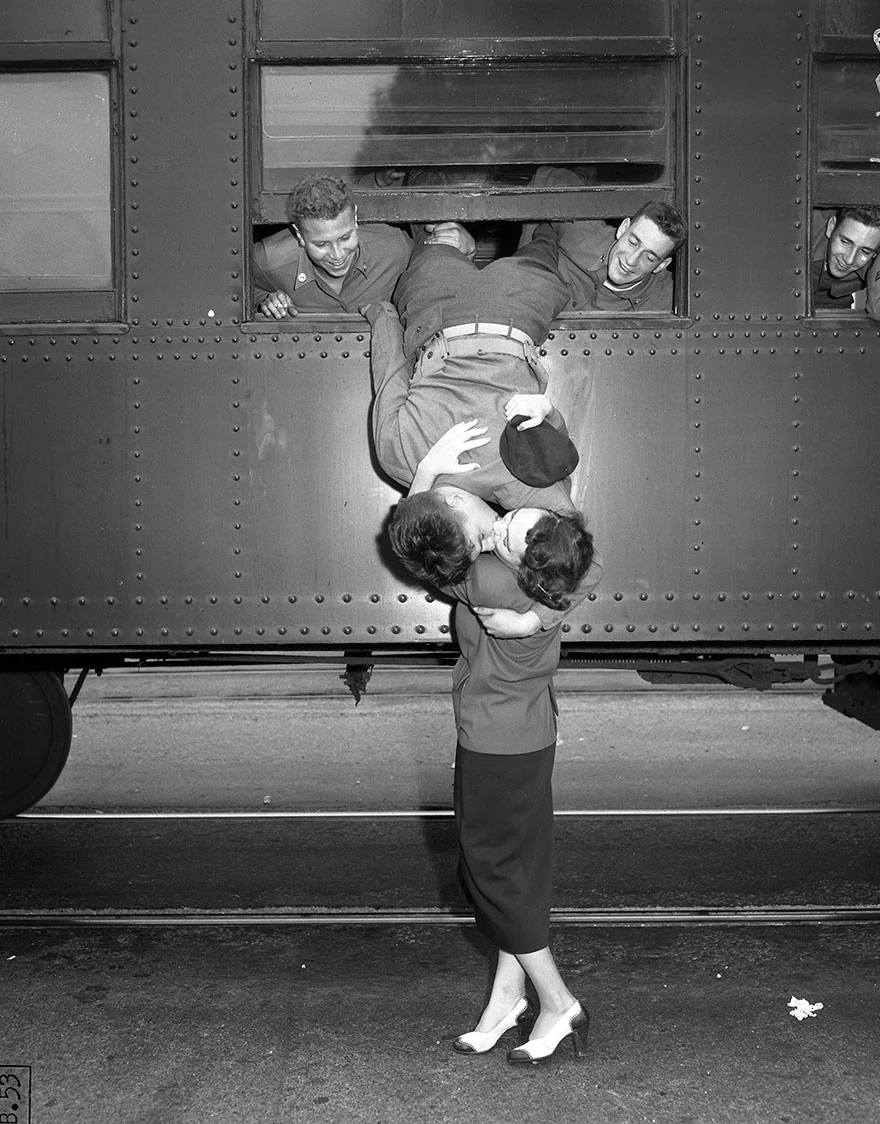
536, 407
442, 458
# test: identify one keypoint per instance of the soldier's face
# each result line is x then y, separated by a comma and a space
851, 245
331, 244
641, 248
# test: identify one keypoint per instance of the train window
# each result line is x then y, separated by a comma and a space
845, 235
847, 17
55, 21
55, 197
847, 126
845, 264
459, 126
313, 20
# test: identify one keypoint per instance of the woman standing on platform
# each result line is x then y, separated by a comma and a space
505, 712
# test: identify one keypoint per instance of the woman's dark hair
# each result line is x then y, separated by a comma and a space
559, 551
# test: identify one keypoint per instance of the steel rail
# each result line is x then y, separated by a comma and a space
690, 917
446, 813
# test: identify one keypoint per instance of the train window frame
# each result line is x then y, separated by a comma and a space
87, 306
833, 188
71, 38
479, 200
399, 205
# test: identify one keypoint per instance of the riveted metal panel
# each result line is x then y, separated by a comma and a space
623, 395
735, 512
834, 481
223, 492
182, 80
64, 484
747, 100
181, 512
316, 519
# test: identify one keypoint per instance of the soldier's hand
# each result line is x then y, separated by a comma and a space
508, 624
535, 407
377, 309
277, 305
451, 234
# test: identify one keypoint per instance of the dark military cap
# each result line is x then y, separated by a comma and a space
539, 456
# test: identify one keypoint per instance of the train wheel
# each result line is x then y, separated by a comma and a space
35, 731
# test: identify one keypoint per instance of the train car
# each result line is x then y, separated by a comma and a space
184, 480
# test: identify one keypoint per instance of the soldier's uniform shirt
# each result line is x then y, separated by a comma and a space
280, 262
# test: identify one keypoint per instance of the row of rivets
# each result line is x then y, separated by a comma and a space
236, 481
403, 598
421, 630
697, 467
41, 342
795, 471
161, 356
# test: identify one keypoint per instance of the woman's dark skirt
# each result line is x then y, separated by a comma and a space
504, 820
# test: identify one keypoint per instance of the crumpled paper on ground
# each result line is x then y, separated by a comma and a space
803, 1008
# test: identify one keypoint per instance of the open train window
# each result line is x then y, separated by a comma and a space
845, 260
496, 145
845, 238
473, 133
56, 260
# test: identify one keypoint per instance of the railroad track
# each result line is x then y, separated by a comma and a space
624, 867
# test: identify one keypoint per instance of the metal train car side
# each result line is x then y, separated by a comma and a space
182, 480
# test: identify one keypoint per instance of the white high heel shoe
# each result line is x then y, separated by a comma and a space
574, 1024
481, 1041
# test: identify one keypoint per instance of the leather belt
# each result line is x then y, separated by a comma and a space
468, 342
481, 344
481, 329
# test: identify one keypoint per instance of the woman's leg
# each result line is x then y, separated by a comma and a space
553, 994
508, 987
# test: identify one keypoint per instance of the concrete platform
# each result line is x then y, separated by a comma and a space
327, 1024
271, 739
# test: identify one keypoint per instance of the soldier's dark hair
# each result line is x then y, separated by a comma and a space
667, 220
427, 537
865, 213
318, 197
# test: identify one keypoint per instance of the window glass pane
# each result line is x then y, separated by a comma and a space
487, 124
850, 17
414, 19
55, 181
54, 21
849, 128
